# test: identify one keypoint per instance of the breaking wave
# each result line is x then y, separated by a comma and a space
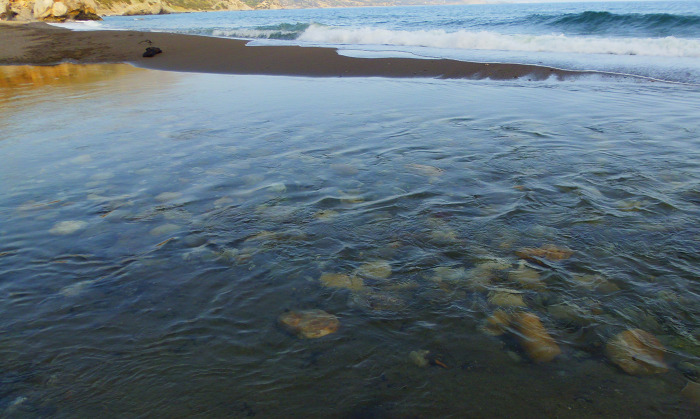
486, 40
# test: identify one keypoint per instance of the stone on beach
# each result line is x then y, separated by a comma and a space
548, 251
334, 280
636, 352
67, 227
534, 338
309, 324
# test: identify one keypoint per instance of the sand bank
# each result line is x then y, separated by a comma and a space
42, 44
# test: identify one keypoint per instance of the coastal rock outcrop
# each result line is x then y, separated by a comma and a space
62, 10
15, 10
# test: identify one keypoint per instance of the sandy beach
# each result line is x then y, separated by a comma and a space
43, 44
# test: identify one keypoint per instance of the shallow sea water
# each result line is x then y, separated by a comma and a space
156, 225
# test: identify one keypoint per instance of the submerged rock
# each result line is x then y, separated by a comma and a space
333, 280
310, 324
446, 273
570, 313
636, 352
378, 301
425, 170
548, 251
526, 277
326, 215
379, 269
419, 358
498, 323
164, 229
76, 288
596, 283
443, 237
691, 391
67, 227
534, 338
507, 298
344, 169
168, 196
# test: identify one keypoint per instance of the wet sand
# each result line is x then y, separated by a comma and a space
43, 44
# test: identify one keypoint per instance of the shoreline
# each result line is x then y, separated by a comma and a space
43, 44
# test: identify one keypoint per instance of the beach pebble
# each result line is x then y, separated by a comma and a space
534, 338
334, 280
636, 352
67, 227
379, 269
506, 298
548, 251
309, 324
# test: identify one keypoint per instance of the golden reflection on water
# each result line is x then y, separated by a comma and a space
23, 87
27, 76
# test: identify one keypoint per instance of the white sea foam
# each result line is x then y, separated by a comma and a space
87, 25
251, 33
485, 40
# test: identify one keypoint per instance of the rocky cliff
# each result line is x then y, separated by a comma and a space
62, 10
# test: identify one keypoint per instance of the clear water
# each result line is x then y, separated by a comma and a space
653, 39
155, 225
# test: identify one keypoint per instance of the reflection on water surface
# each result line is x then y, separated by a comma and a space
238, 246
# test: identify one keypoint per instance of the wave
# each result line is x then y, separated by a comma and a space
653, 24
487, 40
282, 31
